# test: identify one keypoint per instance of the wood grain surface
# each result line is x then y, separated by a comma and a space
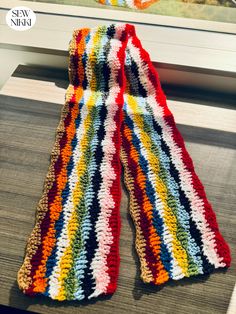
30, 105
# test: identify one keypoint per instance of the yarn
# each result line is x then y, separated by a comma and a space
116, 110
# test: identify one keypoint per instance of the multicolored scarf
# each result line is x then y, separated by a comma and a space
116, 110
133, 4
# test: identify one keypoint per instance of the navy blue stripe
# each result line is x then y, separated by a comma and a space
51, 262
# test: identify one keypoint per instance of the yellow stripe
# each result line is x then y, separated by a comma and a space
113, 2
169, 218
73, 225
66, 260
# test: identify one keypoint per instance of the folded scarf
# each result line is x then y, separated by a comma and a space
133, 4
116, 113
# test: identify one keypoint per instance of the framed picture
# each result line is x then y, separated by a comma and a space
196, 14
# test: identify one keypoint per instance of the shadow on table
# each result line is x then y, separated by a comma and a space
54, 75
20, 300
141, 288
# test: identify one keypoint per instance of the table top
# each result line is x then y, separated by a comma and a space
30, 105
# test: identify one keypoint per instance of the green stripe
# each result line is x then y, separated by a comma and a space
181, 233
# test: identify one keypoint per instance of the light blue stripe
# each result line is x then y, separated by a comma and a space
182, 214
81, 262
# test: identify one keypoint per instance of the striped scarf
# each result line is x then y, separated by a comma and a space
115, 110
133, 4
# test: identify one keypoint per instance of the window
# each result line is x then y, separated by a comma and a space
210, 10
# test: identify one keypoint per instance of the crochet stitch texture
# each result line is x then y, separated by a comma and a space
115, 110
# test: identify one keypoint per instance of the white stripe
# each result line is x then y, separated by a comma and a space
130, 4
63, 241
104, 233
197, 206
176, 270
196, 202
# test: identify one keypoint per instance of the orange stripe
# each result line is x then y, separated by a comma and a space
154, 239
143, 5
49, 241
55, 208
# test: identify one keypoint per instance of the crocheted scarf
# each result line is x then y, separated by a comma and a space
116, 114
